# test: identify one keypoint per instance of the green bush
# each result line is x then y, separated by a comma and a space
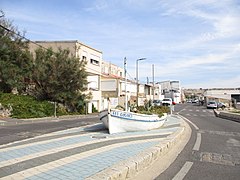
160, 110
26, 106
153, 110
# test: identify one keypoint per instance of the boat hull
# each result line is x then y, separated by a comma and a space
120, 121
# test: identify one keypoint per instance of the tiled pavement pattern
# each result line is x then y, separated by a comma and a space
76, 153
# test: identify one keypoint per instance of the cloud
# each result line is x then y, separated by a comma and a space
225, 22
186, 40
232, 82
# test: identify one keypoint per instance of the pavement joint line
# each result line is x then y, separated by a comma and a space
69, 159
55, 150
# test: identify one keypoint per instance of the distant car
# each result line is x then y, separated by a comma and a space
195, 101
166, 101
156, 103
221, 105
189, 101
212, 105
173, 103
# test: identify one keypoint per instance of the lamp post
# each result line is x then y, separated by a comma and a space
141, 59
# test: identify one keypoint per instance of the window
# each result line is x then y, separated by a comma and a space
95, 62
84, 58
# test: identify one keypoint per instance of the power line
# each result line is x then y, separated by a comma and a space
130, 76
28, 40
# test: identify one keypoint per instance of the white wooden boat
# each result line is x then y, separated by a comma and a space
121, 121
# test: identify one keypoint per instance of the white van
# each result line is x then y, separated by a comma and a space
167, 102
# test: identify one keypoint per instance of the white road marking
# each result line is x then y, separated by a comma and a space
233, 142
197, 144
183, 171
194, 125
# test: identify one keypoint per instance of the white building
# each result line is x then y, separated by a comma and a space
86, 53
226, 95
171, 89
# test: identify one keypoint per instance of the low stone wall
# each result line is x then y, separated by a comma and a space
4, 112
228, 115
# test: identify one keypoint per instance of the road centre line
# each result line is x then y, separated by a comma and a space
197, 144
183, 171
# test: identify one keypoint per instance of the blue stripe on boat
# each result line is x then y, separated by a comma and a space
124, 118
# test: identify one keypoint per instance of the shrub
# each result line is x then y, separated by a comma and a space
26, 106
153, 110
160, 110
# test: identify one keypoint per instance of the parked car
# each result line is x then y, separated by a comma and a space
166, 101
195, 101
189, 101
221, 105
156, 103
212, 105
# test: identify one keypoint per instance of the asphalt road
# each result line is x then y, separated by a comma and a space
29, 129
213, 151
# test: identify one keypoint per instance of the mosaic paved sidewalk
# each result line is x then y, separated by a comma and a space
77, 153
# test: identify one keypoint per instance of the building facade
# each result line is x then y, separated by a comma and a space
85, 53
229, 96
106, 81
171, 89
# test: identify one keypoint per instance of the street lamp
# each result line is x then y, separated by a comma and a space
141, 59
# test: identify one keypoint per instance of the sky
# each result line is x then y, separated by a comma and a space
194, 42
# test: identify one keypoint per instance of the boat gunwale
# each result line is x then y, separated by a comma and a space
125, 118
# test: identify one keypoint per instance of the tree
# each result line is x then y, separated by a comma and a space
15, 58
59, 76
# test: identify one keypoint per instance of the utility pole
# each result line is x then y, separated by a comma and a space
125, 73
141, 59
153, 81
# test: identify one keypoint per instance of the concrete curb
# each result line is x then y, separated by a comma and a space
129, 168
65, 117
14, 121
227, 115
